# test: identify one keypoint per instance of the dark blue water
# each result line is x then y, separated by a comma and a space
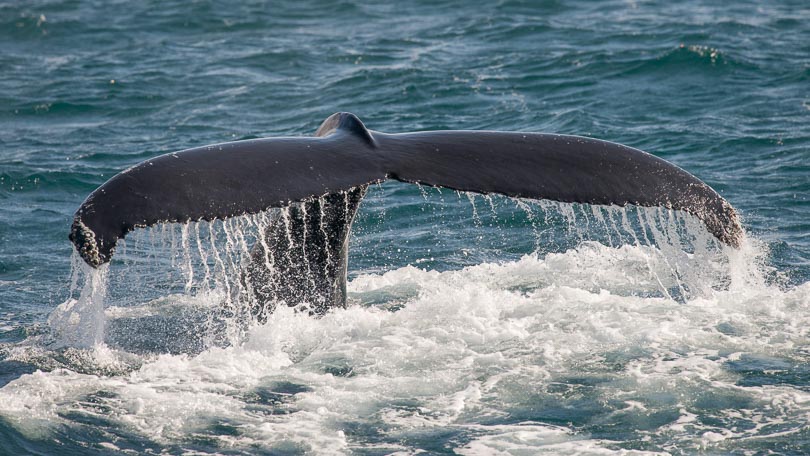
479, 325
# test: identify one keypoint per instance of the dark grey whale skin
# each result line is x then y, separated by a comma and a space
323, 172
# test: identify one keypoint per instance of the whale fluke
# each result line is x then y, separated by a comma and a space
225, 180
246, 177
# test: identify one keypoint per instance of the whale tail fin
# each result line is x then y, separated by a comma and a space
570, 169
245, 177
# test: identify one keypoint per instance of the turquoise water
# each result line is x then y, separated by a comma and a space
479, 325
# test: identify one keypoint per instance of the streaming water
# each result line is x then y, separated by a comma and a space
208, 259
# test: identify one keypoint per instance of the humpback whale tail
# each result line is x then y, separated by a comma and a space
246, 177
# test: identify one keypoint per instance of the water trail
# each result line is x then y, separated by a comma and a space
475, 217
79, 321
187, 265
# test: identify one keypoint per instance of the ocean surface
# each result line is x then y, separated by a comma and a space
476, 325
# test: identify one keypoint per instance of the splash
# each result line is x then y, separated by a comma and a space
549, 353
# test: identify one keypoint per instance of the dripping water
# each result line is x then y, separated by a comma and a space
179, 288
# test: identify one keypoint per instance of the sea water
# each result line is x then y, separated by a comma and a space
475, 325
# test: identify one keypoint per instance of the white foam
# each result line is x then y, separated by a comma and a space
529, 438
465, 349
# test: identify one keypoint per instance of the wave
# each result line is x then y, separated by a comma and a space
690, 58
